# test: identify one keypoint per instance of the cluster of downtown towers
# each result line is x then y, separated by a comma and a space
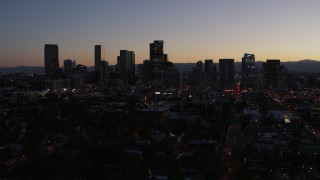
160, 69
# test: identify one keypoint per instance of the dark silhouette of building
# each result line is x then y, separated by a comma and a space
248, 62
156, 51
51, 60
140, 72
210, 72
198, 75
126, 66
200, 65
158, 60
274, 74
208, 64
227, 74
99, 55
104, 72
146, 70
249, 72
80, 68
172, 78
69, 65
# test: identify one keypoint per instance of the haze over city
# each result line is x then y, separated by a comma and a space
192, 30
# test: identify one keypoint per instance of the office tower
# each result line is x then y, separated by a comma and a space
274, 74
140, 72
126, 66
99, 55
227, 74
249, 72
146, 70
210, 72
51, 60
197, 74
208, 65
103, 72
172, 78
69, 65
80, 68
197, 78
200, 65
215, 75
156, 51
248, 62
132, 68
158, 60
165, 57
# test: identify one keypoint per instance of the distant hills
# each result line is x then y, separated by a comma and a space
302, 66
312, 66
26, 69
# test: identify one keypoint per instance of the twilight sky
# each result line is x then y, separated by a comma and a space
191, 29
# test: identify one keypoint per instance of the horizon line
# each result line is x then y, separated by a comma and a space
172, 62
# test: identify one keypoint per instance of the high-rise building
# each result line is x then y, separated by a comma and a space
140, 72
156, 51
227, 74
210, 72
126, 66
208, 64
197, 74
274, 74
80, 68
158, 60
146, 70
214, 72
271, 71
172, 78
248, 62
69, 65
51, 59
99, 55
249, 72
200, 65
103, 72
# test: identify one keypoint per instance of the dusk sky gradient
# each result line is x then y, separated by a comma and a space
191, 29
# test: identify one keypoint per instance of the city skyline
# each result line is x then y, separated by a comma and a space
192, 31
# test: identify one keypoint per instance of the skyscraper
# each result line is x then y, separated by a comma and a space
51, 59
158, 60
146, 70
270, 72
197, 74
172, 78
132, 68
156, 51
126, 66
249, 72
69, 65
140, 72
200, 65
274, 74
99, 55
210, 72
248, 62
227, 74
103, 72
208, 63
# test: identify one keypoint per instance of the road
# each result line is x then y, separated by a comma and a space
229, 161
